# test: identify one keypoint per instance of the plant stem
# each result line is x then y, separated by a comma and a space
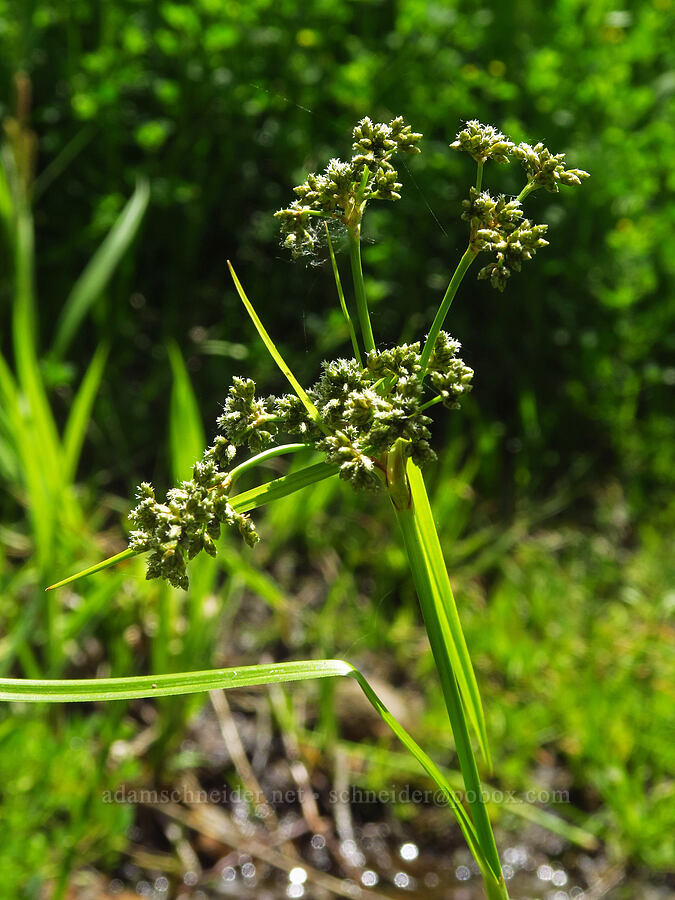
431, 402
263, 457
479, 174
341, 297
419, 567
529, 187
455, 281
359, 287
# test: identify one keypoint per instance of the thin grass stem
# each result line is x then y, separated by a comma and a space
263, 457
341, 296
437, 324
360, 288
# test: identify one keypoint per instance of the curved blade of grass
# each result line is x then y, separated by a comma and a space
382, 757
459, 652
244, 502
145, 686
282, 487
80, 413
100, 268
271, 347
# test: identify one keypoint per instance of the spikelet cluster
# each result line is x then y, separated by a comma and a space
341, 192
362, 412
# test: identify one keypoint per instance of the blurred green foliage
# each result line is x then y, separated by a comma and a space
553, 498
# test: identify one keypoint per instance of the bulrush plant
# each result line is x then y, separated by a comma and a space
366, 415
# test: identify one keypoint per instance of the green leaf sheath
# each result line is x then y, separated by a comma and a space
461, 658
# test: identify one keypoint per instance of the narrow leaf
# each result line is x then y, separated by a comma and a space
97, 567
80, 413
271, 346
145, 686
186, 431
93, 281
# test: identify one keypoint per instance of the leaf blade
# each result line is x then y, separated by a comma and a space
272, 348
100, 268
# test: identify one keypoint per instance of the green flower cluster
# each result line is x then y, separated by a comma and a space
483, 142
546, 169
342, 191
497, 225
362, 413
189, 522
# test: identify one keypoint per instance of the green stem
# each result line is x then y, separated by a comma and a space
341, 297
529, 187
359, 287
479, 174
455, 281
263, 457
429, 403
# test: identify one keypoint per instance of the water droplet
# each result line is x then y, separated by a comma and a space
297, 875
544, 873
190, 878
248, 870
401, 880
507, 871
295, 890
228, 874
369, 878
318, 841
161, 884
409, 852
559, 877
462, 873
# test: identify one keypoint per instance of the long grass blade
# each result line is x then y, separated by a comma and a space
80, 413
93, 281
460, 658
97, 567
186, 431
272, 348
146, 686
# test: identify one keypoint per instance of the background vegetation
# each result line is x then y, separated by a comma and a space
554, 492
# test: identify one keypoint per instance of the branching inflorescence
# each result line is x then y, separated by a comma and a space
367, 416
341, 192
357, 411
